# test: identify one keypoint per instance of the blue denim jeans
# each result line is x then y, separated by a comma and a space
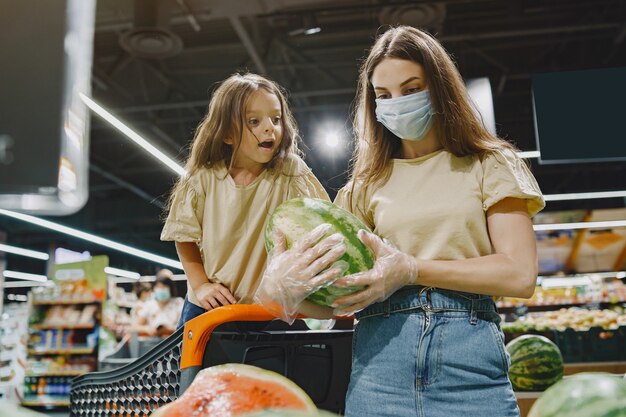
430, 353
190, 311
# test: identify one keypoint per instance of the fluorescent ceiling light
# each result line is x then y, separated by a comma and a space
332, 140
565, 282
22, 284
24, 252
528, 154
121, 272
132, 135
621, 275
24, 275
312, 31
581, 225
148, 278
584, 196
129, 250
17, 297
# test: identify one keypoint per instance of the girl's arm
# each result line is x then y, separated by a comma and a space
211, 295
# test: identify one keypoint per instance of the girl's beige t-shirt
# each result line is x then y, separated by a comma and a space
227, 221
434, 207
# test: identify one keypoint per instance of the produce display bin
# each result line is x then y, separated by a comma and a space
317, 360
593, 345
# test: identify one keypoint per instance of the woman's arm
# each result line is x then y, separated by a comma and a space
510, 271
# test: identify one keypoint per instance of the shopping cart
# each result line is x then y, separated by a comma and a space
316, 360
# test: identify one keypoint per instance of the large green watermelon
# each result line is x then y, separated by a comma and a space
297, 217
588, 394
536, 363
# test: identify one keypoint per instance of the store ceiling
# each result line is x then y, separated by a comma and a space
155, 67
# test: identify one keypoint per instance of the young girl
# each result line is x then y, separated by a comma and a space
244, 162
453, 204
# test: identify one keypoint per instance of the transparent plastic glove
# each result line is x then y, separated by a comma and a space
392, 270
293, 274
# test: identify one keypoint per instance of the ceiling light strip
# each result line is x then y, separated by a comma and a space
528, 154
121, 273
23, 284
581, 225
24, 252
584, 196
24, 275
129, 250
132, 135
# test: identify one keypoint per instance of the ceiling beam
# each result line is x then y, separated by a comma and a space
247, 43
156, 201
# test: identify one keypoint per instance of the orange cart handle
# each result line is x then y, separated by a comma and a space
198, 330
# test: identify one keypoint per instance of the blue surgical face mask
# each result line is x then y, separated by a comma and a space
408, 117
162, 294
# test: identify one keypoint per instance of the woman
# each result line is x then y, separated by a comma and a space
159, 315
450, 205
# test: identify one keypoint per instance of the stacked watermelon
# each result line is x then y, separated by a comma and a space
297, 217
536, 363
589, 394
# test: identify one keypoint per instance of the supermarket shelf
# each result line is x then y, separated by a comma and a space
46, 401
44, 326
547, 307
65, 302
617, 367
57, 373
64, 351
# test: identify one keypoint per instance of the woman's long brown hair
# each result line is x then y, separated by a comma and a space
458, 127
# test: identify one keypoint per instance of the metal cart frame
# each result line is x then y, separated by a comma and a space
318, 361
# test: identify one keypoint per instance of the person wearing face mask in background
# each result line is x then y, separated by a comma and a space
159, 315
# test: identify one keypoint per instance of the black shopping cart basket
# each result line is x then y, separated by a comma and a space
318, 361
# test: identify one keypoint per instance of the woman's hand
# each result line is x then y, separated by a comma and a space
213, 295
392, 270
294, 274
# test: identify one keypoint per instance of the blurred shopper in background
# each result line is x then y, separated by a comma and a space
159, 315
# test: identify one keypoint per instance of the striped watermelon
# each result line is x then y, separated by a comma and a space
536, 363
297, 217
588, 394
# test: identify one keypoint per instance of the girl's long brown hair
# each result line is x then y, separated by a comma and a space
225, 119
459, 129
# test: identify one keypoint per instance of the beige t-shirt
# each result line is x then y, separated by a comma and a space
434, 207
227, 221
